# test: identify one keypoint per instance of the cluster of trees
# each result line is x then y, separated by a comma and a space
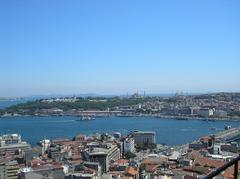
80, 104
145, 146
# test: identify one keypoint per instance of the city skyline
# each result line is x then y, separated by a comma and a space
118, 47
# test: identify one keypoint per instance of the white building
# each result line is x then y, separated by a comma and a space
206, 112
12, 143
10, 139
45, 144
217, 149
128, 145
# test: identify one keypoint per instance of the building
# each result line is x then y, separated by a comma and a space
95, 166
57, 152
2, 170
104, 156
12, 144
142, 137
206, 112
42, 172
128, 145
224, 148
45, 144
117, 135
80, 138
194, 110
10, 139
9, 170
220, 113
81, 176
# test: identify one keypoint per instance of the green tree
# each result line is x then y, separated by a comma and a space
129, 155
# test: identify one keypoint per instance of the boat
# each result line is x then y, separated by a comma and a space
213, 128
227, 127
181, 118
85, 118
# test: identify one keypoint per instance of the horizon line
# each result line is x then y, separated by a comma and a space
113, 94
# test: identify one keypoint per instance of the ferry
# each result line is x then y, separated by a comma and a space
85, 118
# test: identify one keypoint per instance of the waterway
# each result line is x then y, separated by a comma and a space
7, 103
168, 131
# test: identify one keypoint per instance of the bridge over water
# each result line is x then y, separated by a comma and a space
229, 135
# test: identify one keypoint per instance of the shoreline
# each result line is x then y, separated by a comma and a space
211, 119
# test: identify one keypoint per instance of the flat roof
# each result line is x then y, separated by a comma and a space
15, 145
98, 151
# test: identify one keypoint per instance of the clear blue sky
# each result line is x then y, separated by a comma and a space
118, 46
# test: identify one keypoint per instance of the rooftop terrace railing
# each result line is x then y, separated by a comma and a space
224, 167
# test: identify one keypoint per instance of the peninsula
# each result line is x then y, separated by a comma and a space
204, 106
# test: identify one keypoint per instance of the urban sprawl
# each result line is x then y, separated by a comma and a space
116, 156
105, 156
213, 106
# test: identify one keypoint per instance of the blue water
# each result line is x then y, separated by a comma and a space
168, 131
7, 103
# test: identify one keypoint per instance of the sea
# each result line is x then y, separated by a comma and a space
168, 131
7, 103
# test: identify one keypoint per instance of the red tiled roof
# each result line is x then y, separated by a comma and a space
151, 168
131, 171
149, 161
204, 161
121, 161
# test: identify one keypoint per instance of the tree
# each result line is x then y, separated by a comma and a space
129, 155
145, 146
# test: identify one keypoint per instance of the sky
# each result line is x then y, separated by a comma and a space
119, 46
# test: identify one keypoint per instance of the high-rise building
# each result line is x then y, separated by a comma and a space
144, 137
104, 156
9, 170
128, 145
